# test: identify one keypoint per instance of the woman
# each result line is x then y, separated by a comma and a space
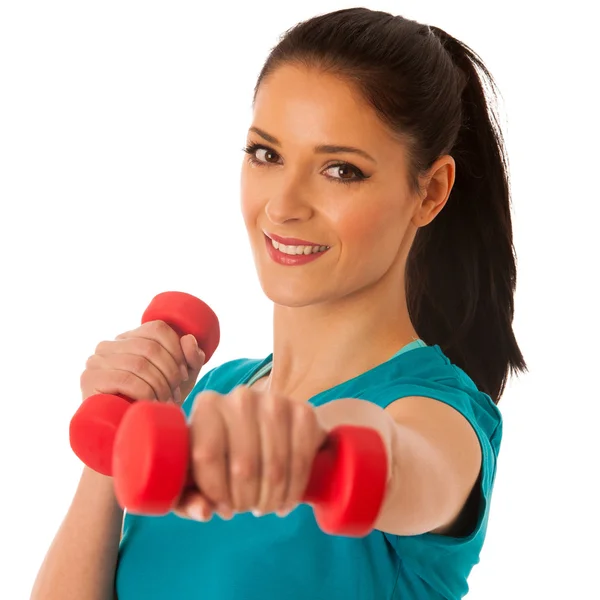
376, 199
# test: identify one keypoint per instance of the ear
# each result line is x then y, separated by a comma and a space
437, 185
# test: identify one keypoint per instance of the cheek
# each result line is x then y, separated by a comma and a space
374, 226
359, 228
249, 199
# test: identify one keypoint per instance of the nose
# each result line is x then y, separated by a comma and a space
288, 204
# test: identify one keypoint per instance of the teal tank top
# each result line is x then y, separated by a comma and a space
268, 557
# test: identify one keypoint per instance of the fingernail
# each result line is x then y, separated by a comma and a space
257, 513
198, 349
224, 511
198, 513
284, 512
177, 396
184, 372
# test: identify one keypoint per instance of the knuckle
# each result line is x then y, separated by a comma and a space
150, 348
303, 410
274, 472
300, 466
237, 398
274, 407
160, 327
205, 454
164, 392
244, 468
304, 415
204, 398
92, 361
132, 385
140, 364
126, 379
100, 347
241, 392
84, 379
241, 399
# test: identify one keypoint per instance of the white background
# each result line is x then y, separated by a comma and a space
121, 129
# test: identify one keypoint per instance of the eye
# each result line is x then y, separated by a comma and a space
347, 168
252, 151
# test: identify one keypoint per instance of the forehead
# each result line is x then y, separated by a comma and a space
298, 103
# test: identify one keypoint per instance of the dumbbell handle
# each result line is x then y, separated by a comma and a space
151, 469
319, 483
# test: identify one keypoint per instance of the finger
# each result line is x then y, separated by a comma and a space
150, 349
154, 350
166, 336
307, 437
209, 444
193, 354
275, 451
240, 413
193, 505
128, 372
195, 358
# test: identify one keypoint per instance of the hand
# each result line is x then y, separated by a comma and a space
147, 363
250, 451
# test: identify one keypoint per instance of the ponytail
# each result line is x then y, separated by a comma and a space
461, 271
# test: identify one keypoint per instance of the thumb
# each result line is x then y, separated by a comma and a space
194, 356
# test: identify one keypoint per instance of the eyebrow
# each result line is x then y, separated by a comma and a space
321, 149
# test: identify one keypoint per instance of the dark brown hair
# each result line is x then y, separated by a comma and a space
427, 88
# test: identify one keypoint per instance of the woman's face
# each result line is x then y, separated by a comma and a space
357, 203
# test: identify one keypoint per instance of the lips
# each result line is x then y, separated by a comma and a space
291, 241
291, 260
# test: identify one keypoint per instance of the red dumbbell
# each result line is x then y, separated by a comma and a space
93, 427
151, 469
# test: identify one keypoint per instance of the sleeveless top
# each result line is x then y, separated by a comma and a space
268, 557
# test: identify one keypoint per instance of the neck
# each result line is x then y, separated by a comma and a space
319, 346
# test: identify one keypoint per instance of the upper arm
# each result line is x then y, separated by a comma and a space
447, 460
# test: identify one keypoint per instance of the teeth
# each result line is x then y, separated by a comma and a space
293, 250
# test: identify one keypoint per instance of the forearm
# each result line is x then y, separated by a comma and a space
415, 501
80, 563
417, 472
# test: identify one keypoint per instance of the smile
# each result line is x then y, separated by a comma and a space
293, 255
293, 250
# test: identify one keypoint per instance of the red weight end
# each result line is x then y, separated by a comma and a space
186, 314
93, 429
150, 458
349, 481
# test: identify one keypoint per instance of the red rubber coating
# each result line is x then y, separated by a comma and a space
151, 469
93, 427
186, 314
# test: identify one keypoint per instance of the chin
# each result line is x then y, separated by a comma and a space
291, 296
